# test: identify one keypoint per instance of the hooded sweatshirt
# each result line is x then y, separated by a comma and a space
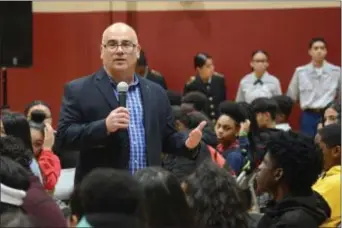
329, 186
296, 212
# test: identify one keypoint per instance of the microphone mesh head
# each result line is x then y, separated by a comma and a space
122, 87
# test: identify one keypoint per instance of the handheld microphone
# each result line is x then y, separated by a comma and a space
122, 91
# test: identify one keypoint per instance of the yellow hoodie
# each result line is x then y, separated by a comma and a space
329, 186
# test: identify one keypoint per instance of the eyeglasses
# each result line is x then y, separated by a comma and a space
126, 46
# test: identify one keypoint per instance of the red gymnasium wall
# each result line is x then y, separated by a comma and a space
66, 39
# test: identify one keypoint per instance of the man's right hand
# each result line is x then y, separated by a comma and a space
117, 119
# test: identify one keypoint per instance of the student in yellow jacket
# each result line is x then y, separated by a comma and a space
329, 184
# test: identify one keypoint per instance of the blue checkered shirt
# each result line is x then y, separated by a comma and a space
136, 129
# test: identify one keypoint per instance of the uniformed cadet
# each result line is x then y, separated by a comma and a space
208, 82
143, 70
259, 83
315, 85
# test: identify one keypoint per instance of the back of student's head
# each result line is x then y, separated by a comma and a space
215, 196
15, 149
265, 105
197, 100
162, 188
16, 124
285, 105
106, 190
16, 218
14, 184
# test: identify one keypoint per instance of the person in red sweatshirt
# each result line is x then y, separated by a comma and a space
42, 135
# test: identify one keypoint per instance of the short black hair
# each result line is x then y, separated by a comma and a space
162, 188
232, 109
264, 104
197, 99
106, 190
142, 60
299, 157
331, 135
16, 124
200, 59
285, 104
191, 119
15, 149
317, 39
215, 196
175, 98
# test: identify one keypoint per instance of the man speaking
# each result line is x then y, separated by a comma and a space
95, 121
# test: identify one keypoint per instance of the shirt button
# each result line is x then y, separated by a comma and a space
212, 114
212, 106
136, 161
210, 98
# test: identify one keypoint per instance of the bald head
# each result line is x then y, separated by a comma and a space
119, 51
122, 29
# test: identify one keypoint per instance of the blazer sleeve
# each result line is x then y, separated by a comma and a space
72, 131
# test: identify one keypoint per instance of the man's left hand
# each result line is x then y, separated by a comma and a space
195, 136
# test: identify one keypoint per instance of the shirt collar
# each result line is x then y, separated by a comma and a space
262, 77
325, 67
133, 84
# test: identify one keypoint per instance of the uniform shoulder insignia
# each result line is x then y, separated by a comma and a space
156, 73
191, 79
218, 74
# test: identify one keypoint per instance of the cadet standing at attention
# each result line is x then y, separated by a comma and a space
315, 85
259, 83
143, 70
208, 82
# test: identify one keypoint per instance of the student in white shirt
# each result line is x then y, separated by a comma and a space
285, 105
258, 83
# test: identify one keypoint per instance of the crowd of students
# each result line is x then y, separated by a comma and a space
291, 180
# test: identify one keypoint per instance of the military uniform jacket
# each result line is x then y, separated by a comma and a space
214, 89
156, 77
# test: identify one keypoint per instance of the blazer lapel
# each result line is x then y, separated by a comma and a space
146, 99
104, 86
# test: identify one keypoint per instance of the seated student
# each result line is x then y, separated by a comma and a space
329, 184
181, 166
214, 195
285, 105
162, 188
111, 198
43, 138
195, 101
290, 167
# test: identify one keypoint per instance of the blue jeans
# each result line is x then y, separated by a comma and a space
308, 123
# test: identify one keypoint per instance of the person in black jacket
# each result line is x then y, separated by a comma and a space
207, 81
143, 70
290, 167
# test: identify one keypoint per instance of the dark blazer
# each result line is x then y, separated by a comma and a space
87, 102
215, 90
